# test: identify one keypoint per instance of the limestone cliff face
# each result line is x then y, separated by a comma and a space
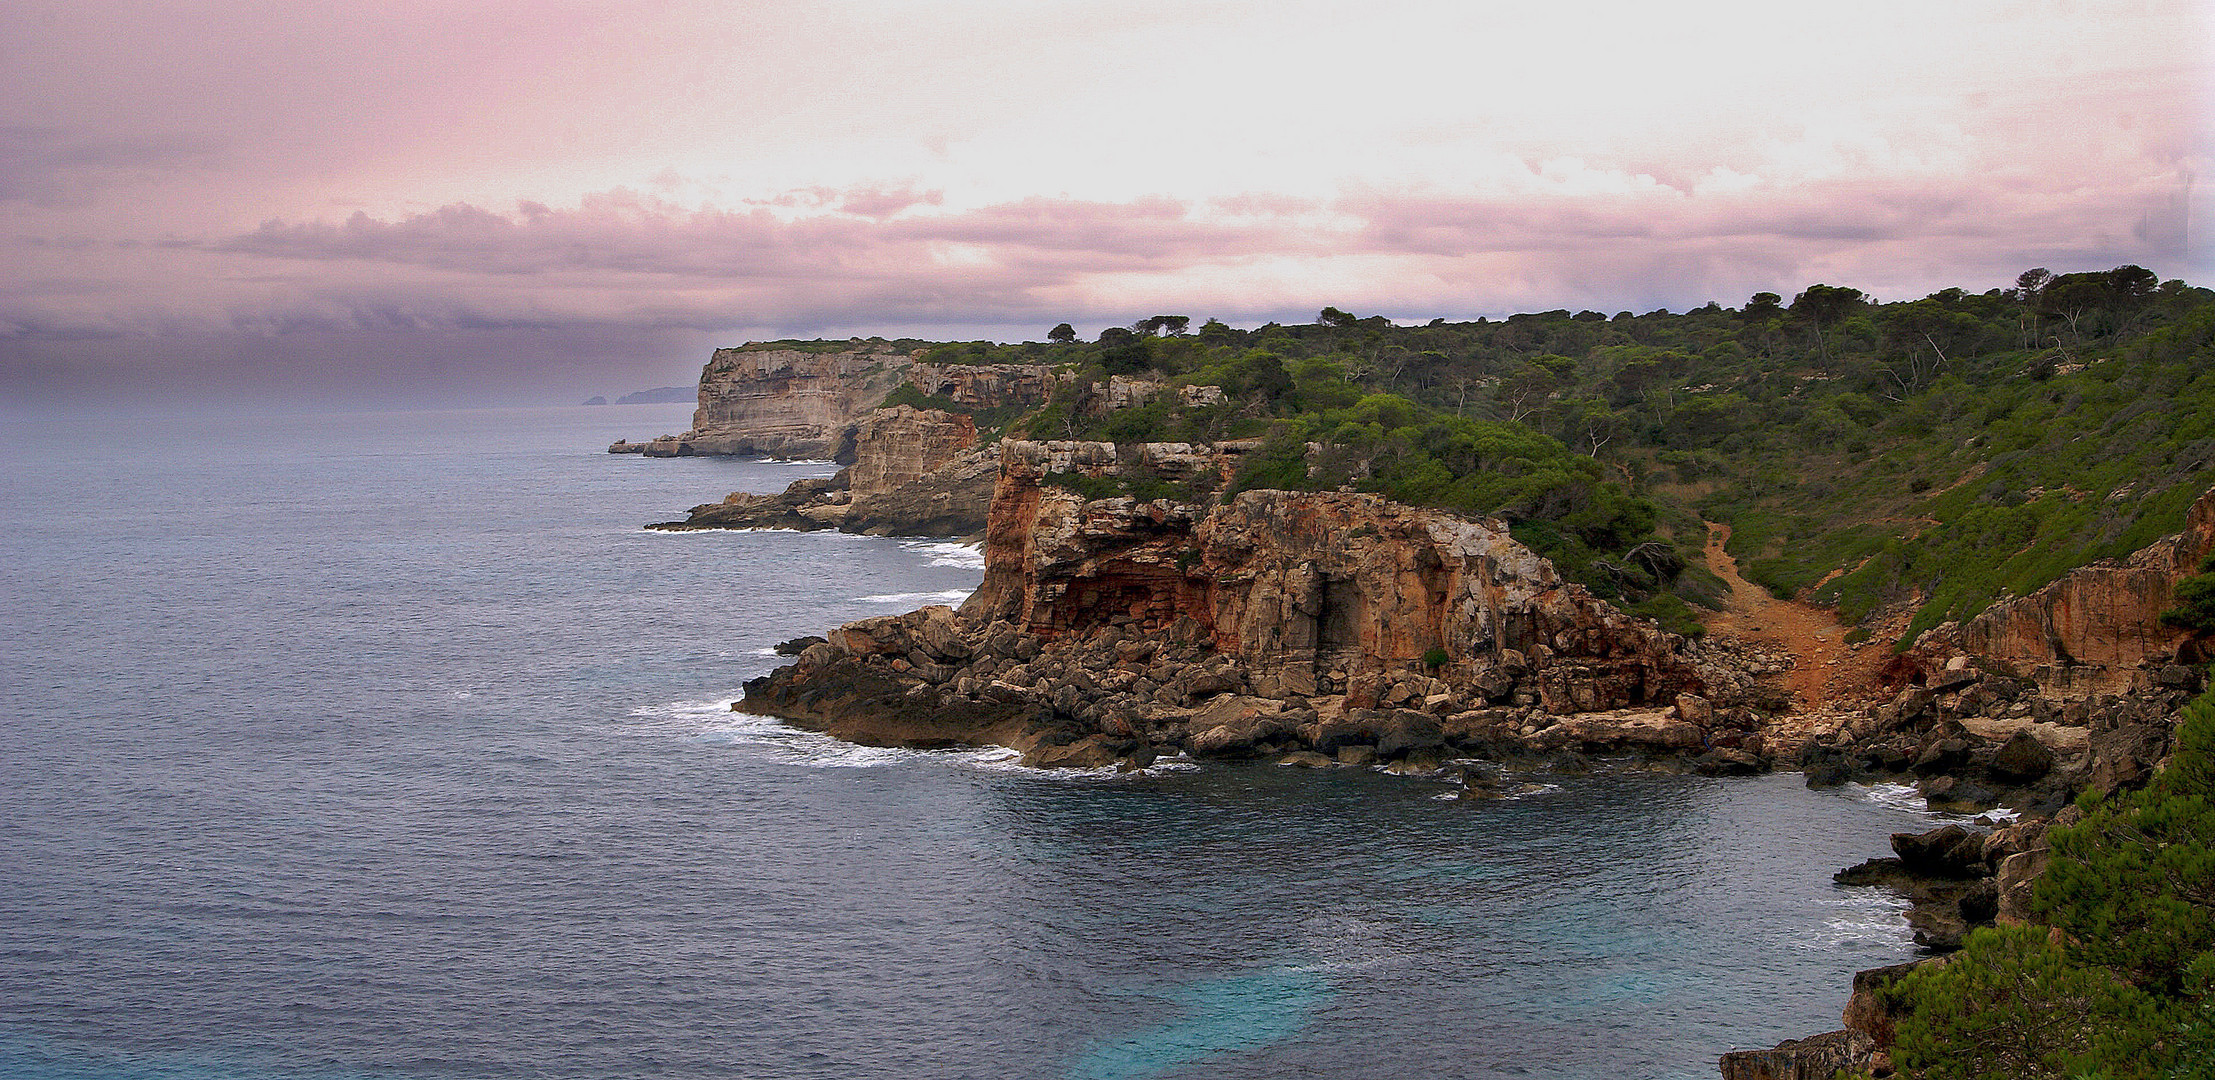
915, 472
796, 403
986, 385
2095, 631
1319, 593
902, 444
788, 403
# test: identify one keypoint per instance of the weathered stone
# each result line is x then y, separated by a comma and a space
797, 645
1817, 1057
786, 402
2123, 757
1405, 731
1316, 583
1871, 1010
1231, 726
1092, 752
1947, 851
2017, 874
1728, 762
1941, 756
1647, 730
2021, 759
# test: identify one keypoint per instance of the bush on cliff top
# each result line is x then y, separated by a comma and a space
1942, 451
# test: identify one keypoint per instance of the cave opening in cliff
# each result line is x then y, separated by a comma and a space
1338, 619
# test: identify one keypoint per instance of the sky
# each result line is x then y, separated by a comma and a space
481, 202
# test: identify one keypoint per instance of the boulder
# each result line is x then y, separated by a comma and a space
1231, 726
2021, 759
798, 645
1729, 762
1871, 1010
1949, 851
1817, 1057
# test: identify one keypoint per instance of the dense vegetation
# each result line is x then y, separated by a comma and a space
1931, 454
2123, 984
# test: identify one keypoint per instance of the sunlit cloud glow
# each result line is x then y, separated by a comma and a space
659, 176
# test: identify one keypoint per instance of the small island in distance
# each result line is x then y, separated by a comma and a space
660, 395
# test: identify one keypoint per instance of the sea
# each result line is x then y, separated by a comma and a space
390, 745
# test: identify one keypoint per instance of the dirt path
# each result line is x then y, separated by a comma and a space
1825, 670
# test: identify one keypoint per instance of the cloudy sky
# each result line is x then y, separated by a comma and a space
477, 200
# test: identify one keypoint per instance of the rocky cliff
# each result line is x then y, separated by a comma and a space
915, 472
1272, 623
1315, 592
2097, 631
988, 385
794, 403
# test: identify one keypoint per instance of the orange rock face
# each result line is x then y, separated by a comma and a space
2094, 630
1315, 593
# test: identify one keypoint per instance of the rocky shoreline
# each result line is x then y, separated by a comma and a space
1117, 624
1270, 625
1340, 630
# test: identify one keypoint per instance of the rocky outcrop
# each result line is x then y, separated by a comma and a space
1319, 594
1817, 1057
1976, 738
898, 446
782, 402
915, 472
2074, 686
988, 385
1336, 626
779, 401
2097, 630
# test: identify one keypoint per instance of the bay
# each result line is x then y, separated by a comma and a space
390, 745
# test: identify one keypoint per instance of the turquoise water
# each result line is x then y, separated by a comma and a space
389, 745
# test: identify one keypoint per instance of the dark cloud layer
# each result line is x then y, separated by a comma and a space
629, 267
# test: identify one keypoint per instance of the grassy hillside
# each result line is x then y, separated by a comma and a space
1938, 452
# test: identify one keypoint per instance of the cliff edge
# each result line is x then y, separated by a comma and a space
770, 401
1332, 624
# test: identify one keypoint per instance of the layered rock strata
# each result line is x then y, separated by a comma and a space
988, 385
915, 472
775, 402
1332, 624
801, 403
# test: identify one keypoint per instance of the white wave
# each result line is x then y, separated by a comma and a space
1512, 789
948, 553
1906, 798
1895, 796
949, 596
790, 745
714, 722
1870, 915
